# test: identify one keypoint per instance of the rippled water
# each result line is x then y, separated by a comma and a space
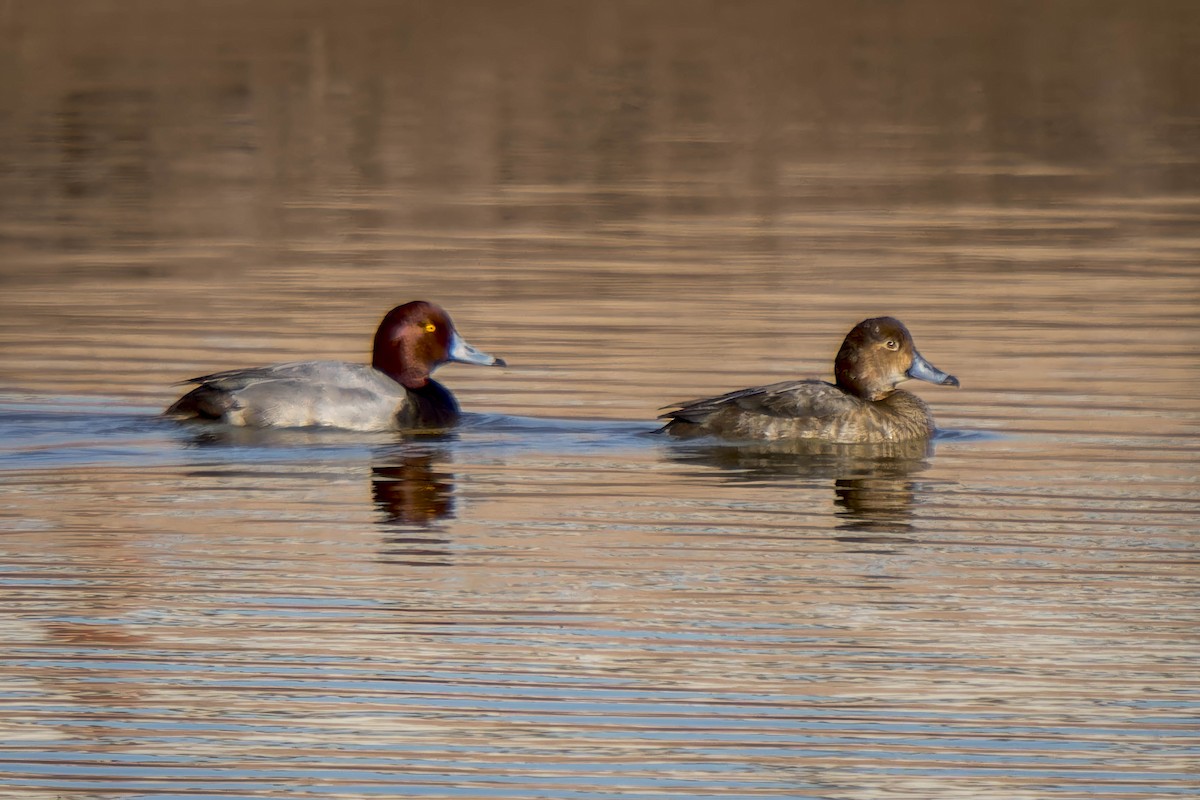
632, 204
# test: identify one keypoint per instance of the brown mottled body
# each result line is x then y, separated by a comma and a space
862, 407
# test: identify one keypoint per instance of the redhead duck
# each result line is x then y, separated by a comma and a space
394, 393
863, 406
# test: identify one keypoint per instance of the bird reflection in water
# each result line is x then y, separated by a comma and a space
873, 486
414, 493
409, 485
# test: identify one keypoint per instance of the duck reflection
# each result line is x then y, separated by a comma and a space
410, 485
414, 492
873, 486
411, 490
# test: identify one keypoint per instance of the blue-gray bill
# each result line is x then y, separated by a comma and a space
466, 354
922, 370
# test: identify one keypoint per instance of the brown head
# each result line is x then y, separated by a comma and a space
417, 337
879, 354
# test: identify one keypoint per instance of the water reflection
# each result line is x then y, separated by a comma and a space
277, 440
872, 486
410, 484
411, 490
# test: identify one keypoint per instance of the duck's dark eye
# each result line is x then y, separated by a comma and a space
430, 327
892, 344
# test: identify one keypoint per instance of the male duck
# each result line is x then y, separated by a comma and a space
862, 407
395, 392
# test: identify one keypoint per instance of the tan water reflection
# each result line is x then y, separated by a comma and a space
873, 484
633, 203
413, 489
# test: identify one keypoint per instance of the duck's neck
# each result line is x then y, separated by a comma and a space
862, 390
856, 378
394, 366
428, 406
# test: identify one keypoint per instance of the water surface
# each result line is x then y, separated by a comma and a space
632, 205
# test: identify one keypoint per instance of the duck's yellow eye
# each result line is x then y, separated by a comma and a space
430, 327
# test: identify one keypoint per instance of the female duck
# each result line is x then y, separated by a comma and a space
863, 406
395, 392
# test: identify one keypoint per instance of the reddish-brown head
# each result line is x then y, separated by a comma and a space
879, 354
413, 339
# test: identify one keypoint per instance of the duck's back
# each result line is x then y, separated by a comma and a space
298, 394
808, 409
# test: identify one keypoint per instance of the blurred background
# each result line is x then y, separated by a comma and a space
631, 202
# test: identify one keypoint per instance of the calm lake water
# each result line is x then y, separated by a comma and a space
633, 204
